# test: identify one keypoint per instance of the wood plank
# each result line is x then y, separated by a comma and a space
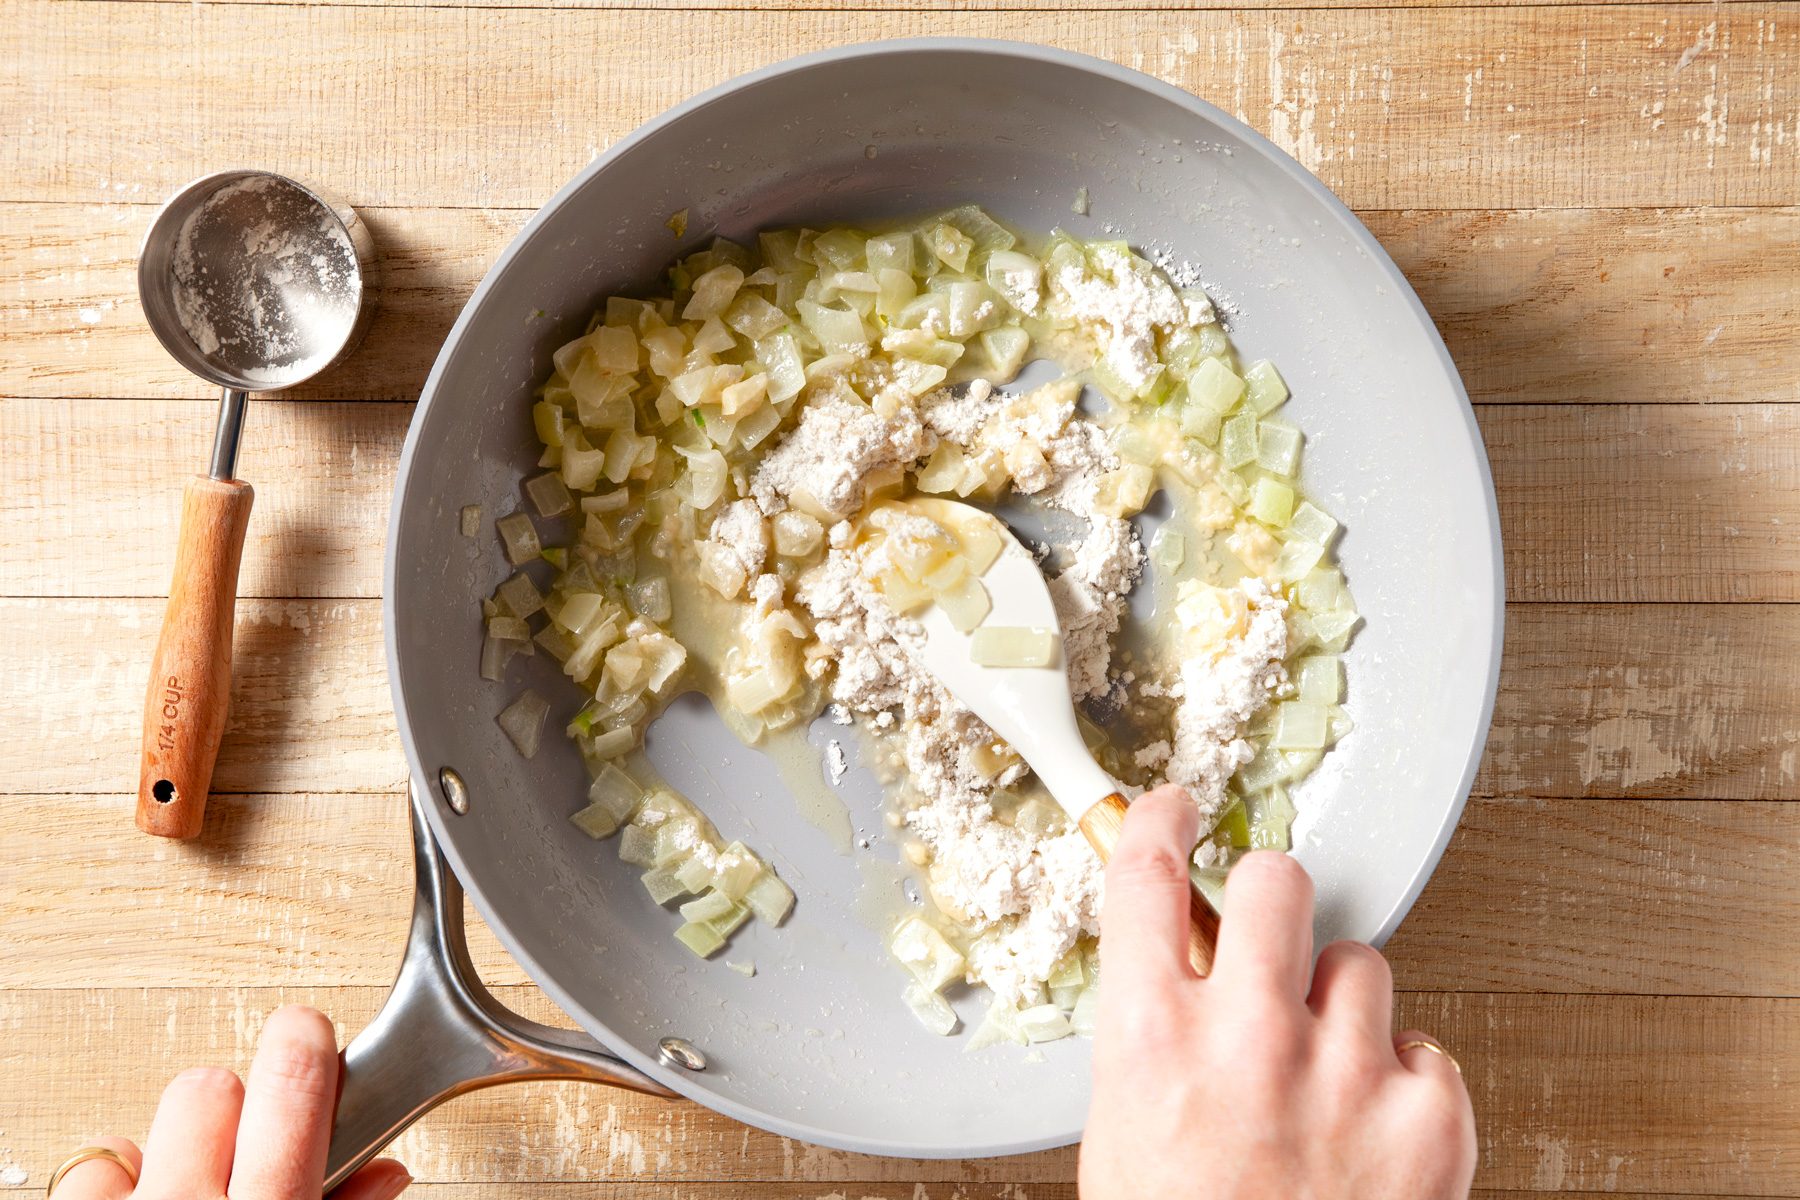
1627, 896
1647, 502
309, 712
1671, 701
1395, 108
1537, 306
1629, 503
1603, 896
91, 492
1575, 1093
1662, 701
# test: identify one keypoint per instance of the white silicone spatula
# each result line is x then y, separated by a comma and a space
1031, 708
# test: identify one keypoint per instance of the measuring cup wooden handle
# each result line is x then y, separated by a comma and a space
1102, 824
190, 677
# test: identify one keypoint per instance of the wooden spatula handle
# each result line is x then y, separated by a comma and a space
190, 677
1102, 825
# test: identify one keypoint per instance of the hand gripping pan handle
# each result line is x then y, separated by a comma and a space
441, 1033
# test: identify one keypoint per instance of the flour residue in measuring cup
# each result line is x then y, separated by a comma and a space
266, 281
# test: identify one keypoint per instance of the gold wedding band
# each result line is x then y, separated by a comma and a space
90, 1152
1424, 1044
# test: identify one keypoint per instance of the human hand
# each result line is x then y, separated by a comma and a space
265, 1139
1248, 1085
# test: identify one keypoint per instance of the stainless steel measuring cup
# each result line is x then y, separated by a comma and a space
253, 282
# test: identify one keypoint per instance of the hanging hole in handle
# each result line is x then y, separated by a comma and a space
163, 790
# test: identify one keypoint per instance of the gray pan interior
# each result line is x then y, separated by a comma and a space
818, 1046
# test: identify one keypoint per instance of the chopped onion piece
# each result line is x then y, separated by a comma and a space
662, 885
711, 905
1278, 447
595, 821
934, 1012
1168, 548
518, 596
1272, 503
510, 629
650, 598
470, 519
1001, 1024
1299, 725
703, 940
523, 721
713, 293
967, 604
637, 846
770, 898
1296, 558
1237, 440
1084, 1018
1014, 646
494, 656
520, 538
923, 951
1044, 1023
1267, 390
1320, 679
1313, 524
1214, 387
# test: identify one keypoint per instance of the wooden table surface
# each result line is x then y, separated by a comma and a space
1597, 204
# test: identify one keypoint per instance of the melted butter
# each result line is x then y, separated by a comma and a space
708, 624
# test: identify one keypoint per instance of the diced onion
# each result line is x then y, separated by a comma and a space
934, 1012
1320, 679
523, 721
1237, 440
769, 898
703, 940
1313, 524
1278, 447
1267, 390
470, 520
1014, 646
1272, 503
967, 604
1299, 725
1084, 1018
519, 596
520, 538
923, 951
1044, 1023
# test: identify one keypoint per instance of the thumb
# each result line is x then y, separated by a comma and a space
1144, 925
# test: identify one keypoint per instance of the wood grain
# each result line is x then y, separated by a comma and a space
1667, 701
1633, 503
1537, 306
1575, 1093
1601, 896
189, 687
1459, 108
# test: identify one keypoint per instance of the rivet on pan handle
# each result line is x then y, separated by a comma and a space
441, 1033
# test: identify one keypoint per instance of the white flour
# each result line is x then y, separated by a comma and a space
1219, 692
265, 279
838, 443
1028, 897
1126, 307
1037, 896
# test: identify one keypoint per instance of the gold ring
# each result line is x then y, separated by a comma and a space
1424, 1044
83, 1155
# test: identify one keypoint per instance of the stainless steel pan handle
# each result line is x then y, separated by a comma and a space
441, 1033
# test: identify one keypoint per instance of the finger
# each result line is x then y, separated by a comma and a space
289, 1098
189, 1150
1265, 937
102, 1178
382, 1179
1353, 990
1144, 924
1416, 1053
